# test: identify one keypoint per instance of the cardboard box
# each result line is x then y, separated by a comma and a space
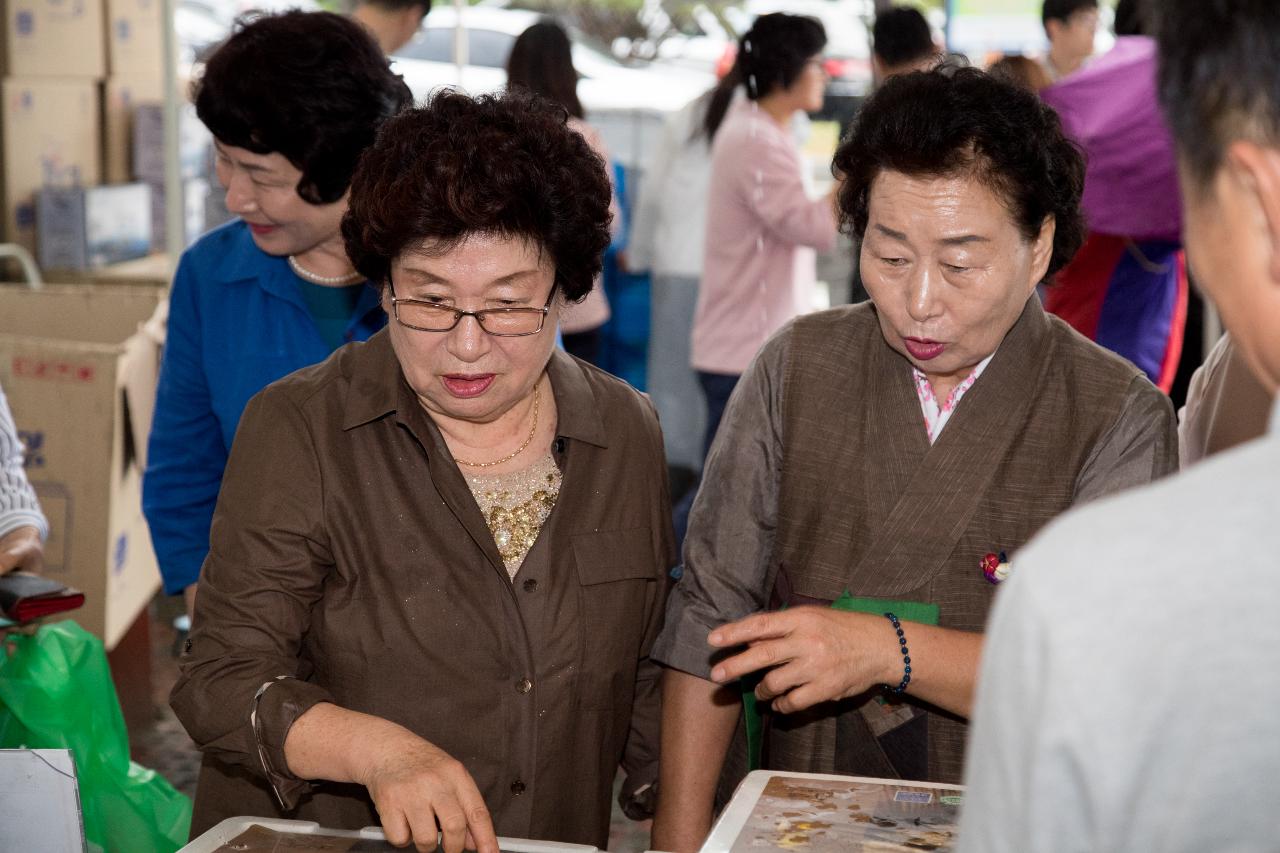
84, 228
195, 143
80, 375
122, 95
56, 38
51, 138
135, 37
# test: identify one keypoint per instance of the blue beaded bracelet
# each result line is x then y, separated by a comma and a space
906, 657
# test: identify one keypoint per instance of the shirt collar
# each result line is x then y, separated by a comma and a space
1274, 429
925, 390
247, 262
378, 388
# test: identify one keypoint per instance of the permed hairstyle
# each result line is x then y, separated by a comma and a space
771, 55
901, 35
1218, 77
503, 164
964, 122
541, 61
1062, 10
311, 86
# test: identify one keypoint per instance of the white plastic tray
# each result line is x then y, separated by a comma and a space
219, 835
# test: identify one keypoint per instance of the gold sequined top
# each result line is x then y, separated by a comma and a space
516, 505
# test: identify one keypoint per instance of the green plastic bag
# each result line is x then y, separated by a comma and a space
56, 693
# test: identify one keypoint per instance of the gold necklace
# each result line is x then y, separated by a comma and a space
537, 391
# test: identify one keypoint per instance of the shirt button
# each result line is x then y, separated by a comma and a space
517, 787
530, 585
524, 685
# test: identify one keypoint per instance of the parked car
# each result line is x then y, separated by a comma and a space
432, 60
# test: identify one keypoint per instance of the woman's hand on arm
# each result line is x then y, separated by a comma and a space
418, 789
698, 720
817, 654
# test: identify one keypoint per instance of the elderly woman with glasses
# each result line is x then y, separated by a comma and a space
438, 561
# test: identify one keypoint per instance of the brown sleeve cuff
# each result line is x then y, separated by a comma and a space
276, 705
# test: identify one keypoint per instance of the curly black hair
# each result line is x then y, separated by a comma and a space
504, 164
962, 121
312, 86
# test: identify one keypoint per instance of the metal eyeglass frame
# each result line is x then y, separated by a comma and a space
458, 314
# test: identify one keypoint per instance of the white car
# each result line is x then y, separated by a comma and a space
430, 61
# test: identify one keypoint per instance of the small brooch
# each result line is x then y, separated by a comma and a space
996, 567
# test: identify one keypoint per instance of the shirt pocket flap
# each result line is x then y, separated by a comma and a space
605, 556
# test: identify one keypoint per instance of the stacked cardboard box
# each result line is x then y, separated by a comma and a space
82, 94
135, 120
79, 366
79, 373
55, 53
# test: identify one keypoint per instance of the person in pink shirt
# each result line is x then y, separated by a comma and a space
762, 226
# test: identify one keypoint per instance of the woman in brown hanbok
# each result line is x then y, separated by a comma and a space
891, 457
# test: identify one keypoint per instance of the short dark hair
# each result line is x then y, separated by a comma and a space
1218, 77
771, 55
1061, 10
541, 60
504, 164
312, 86
1133, 18
962, 121
901, 35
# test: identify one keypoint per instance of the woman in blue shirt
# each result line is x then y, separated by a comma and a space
292, 100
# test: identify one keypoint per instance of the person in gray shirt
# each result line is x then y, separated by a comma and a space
22, 525
1127, 698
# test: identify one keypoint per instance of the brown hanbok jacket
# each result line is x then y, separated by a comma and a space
850, 495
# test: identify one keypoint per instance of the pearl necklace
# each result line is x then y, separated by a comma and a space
532, 431
315, 278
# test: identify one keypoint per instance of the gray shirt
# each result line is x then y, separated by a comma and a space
731, 526
1130, 684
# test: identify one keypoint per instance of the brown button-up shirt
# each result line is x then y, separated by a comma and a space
350, 564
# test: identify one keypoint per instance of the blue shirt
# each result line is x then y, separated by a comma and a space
237, 323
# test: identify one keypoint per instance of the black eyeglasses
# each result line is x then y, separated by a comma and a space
425, 316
